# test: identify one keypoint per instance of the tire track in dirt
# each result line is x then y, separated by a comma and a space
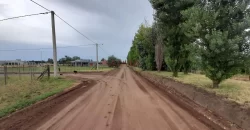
117, 119
163, 97
79, 107
140, 86
167, 119
155, 100
182, 117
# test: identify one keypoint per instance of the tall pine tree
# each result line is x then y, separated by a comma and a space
168, 15
220, 27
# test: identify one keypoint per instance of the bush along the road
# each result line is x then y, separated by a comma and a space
113, 61
209, 37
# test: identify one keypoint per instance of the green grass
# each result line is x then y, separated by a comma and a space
235, 90
18, 94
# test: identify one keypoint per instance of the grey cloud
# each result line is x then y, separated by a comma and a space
111, 8
3, 9
110, 22
118, 17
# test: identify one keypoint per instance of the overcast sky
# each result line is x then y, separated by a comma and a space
112, 23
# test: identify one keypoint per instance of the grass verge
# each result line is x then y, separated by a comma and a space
233, 89
18, 94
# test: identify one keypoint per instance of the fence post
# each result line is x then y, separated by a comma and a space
19, 71
30, 69
48, 68
5, 75
33, 70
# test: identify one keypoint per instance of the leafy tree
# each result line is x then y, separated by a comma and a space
133, 56
190, 57
75, 58
142, 51
62, 61
247, 67
169, 18
68, 59
142, 43
102, 59
194, 58
220, 27
113, 61
50, 61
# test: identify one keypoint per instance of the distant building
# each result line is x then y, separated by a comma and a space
83, 62
104, 62
14, 62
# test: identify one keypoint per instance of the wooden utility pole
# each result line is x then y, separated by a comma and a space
54, 42
97, 57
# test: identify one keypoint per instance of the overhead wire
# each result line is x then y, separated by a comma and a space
75, 29
23, 16
66, 23
104, 51
40, 5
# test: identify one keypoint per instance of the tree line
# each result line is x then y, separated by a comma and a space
207, 35
111, 62
64, 60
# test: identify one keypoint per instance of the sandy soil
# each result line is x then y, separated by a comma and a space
120, 100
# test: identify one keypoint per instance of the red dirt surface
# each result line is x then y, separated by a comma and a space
120, 100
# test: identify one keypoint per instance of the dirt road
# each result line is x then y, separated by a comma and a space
118, 100
122, 102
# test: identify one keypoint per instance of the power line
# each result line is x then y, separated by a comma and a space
75, 29
105, 51
65, 22
40, 5
23, 16
44, 48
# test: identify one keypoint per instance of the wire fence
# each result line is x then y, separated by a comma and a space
19, 72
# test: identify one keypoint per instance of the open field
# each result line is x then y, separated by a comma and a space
18, 94
236, 90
